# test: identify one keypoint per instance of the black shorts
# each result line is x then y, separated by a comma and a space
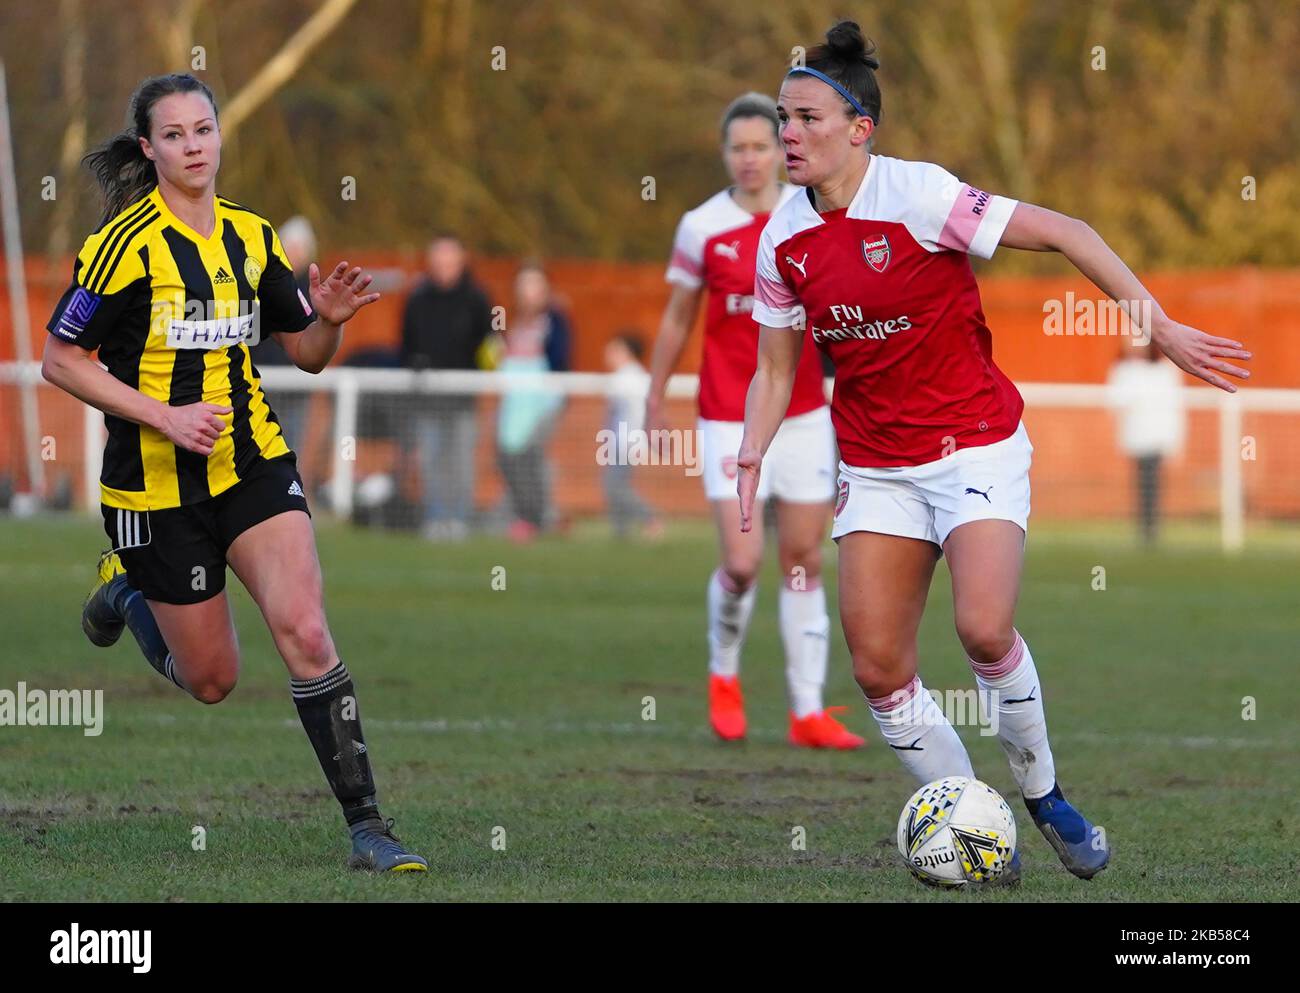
178, 555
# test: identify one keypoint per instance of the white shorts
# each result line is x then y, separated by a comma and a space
799, 465
988, 482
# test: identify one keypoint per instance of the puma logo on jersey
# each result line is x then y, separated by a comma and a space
296, 490
983, 493
731, 251
222, 276
800, 264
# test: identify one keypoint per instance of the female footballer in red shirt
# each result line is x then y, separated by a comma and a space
714, 251
871, 260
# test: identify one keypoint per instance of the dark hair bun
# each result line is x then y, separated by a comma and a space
845, 43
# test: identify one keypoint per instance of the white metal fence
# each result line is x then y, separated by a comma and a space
351, 426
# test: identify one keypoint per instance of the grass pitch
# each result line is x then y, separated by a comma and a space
517, 715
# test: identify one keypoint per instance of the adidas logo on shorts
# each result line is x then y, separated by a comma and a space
222, 276
296, 490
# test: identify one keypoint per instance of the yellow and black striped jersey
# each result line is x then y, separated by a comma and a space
170, 312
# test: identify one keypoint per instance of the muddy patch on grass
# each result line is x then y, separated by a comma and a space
274, 802
32, 823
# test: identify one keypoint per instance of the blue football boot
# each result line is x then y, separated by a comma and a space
1082, 848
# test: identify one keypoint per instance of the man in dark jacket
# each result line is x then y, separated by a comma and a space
446, 319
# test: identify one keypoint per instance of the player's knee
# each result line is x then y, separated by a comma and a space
212, 689
309, 639
802, 566
881, 668
208, 676
741, 571
985, 639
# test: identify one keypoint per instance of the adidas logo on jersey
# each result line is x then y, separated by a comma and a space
222, 276
296, 490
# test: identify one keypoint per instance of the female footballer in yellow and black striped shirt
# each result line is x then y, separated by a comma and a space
197, 474
169, 312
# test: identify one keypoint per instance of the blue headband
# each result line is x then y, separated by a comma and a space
853, 101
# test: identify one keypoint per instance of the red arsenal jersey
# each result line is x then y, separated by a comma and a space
886, 289
715, 246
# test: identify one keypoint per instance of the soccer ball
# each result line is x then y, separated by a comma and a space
956, 831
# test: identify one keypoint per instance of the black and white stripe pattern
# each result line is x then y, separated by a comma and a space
132, 529
307, 689
169, 670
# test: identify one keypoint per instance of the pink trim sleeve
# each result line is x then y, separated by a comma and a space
964, 218
775, 305
773, 294
976, 222
685, 263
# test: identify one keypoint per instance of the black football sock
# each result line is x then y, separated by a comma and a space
327, 707
139, 618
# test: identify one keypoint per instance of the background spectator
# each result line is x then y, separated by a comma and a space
536, 340
446, 319
629, 382
1146, 392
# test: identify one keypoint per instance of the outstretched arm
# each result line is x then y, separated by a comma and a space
1037, 229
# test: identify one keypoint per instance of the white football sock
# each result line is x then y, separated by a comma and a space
920, 735
729, 615
1012, 683
805, 630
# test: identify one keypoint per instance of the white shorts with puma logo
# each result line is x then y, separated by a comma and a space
929, 501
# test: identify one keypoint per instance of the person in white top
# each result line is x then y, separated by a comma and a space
1146, 394
625, 420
